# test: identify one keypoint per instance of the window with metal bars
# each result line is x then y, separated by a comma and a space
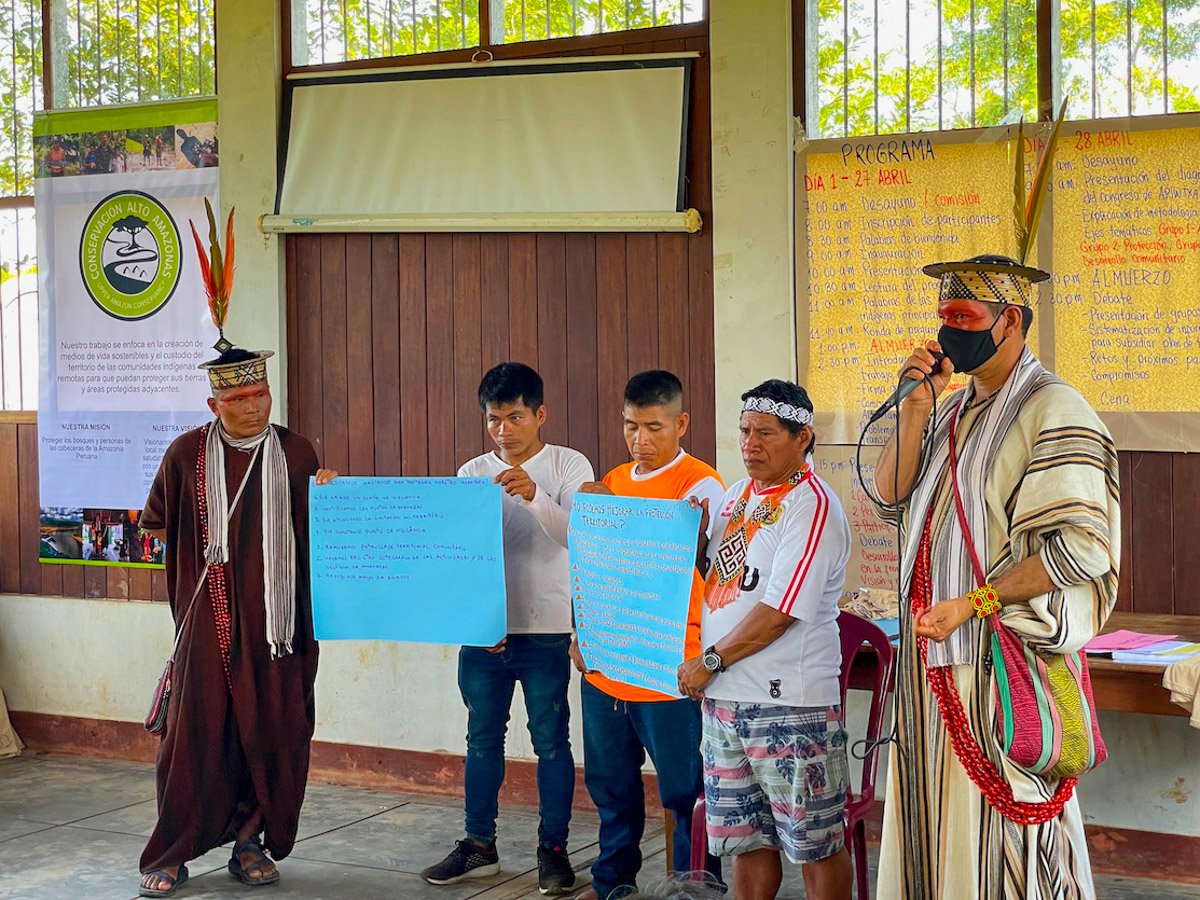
336, 31
101, 52
130, 51
21, 88
878, 67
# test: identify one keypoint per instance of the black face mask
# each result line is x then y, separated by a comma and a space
969, 350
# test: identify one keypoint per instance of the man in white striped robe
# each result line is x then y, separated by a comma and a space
1038, 477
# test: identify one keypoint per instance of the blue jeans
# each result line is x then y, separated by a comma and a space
616, 738
541, 664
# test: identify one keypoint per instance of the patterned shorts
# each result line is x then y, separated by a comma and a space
774, 776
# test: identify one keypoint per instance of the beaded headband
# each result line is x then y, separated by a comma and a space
797, 414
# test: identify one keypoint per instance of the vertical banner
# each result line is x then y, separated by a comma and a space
632, 565
123, 317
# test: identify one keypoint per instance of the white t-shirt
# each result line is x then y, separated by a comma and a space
536, 568
796, 565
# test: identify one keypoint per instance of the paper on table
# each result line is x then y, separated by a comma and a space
1164, 653
1125, 640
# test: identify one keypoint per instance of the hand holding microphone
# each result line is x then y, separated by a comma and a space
925, 361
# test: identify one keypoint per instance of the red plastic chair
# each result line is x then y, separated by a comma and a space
855, 633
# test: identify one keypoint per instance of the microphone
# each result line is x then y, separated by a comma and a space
898, 395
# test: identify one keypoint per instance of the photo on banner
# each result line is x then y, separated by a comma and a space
408, 559
633, 563
124, 322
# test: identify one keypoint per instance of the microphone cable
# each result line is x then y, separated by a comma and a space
861, 748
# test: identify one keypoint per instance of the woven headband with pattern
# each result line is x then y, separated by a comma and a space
238, 374
990, 287
797, 414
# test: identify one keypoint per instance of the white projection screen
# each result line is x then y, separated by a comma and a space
572, 137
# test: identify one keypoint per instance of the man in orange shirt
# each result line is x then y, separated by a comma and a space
622, 723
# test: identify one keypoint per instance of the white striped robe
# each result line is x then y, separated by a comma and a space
1038, 473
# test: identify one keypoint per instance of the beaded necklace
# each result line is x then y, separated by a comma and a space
981, 770
724, 581
217, 590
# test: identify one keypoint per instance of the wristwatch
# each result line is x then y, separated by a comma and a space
712, 660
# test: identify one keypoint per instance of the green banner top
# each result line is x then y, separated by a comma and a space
125, 116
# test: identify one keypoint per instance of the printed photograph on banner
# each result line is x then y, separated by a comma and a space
57, 155
152, 149
97, 536
96, 153
197, 146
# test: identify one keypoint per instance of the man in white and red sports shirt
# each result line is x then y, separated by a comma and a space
775, 768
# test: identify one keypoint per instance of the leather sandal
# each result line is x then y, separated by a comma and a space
176, 882
242, 873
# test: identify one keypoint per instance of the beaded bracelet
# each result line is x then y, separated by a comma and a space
985, 600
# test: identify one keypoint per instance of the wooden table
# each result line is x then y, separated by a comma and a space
1138, 689
1117, 687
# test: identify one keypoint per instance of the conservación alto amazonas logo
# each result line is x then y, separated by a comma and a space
129, 255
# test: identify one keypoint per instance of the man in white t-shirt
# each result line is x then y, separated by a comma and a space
539, 481
775, 768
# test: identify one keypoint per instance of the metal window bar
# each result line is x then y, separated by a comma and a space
158, 43
1129, 56
1165, 80
941, 118
875, 92
1094, 109
120, 82
974, 82
1004, 25
345, 32
907, 66
845, 67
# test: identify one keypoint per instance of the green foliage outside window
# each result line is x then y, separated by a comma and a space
988, 72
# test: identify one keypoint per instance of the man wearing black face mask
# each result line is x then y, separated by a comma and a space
1036, 476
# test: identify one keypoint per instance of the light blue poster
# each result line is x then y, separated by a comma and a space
408, 559
632, 564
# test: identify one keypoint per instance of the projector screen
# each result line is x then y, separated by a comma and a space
571, 137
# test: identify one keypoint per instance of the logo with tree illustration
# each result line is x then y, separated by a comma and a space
129, 255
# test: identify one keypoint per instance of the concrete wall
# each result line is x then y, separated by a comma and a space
753, 200
100, 659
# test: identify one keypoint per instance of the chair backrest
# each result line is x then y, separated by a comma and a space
855, 633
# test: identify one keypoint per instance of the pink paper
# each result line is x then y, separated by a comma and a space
1124, 640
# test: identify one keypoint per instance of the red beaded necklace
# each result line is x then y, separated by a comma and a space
217, 591
979, 768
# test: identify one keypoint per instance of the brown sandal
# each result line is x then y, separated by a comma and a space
242, 873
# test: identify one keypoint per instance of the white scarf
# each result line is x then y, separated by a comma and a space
278, 536
952, 573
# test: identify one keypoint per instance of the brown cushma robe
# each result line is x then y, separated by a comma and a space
221, 756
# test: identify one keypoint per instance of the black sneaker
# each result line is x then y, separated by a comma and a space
555, 875
466, 860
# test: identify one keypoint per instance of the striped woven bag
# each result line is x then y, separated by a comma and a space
1045, 713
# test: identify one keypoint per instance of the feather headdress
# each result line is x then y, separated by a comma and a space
234, 367
1027, 210
216, 269
991, 278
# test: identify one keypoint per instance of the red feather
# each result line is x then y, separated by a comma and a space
206, 276
216, 272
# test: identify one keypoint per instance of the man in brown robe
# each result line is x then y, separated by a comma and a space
233, 761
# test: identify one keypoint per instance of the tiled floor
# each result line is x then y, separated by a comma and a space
73, 828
